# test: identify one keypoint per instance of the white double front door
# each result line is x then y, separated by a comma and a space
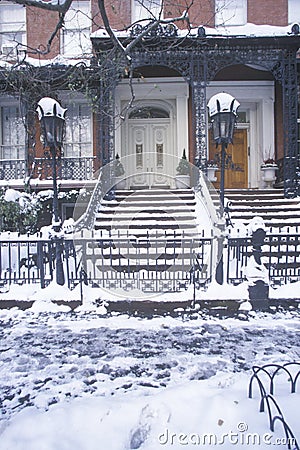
148, 161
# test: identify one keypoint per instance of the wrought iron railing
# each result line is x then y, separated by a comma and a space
109, 258
280, 252
155, 263
81, 168
12, 169
68, 168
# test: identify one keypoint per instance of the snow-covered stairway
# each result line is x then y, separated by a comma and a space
138, 213
270, 204
148, 239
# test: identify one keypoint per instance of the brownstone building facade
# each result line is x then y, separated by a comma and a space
244, 47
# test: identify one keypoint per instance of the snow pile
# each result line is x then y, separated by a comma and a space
225, 291
290, 290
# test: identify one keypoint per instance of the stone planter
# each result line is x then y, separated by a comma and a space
269, 174
182, 181
211, 173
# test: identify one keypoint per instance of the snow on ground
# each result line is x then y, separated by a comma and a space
214, 291
80, 381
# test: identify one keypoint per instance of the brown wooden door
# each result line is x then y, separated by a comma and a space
236, 172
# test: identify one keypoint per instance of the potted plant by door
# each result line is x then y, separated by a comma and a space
211, 167
182, 179
119, 171
268, 169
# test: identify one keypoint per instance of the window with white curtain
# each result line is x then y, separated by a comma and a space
77, 28
294, 11
146, 9
13, 134
230, 12
78, 139
12, 27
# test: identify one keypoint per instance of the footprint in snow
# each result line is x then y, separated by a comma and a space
149, 417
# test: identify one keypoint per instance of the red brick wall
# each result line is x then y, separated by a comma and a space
118, 13
271, 12
201, 12
40, 25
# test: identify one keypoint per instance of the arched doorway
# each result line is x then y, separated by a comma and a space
152, 132
150, 140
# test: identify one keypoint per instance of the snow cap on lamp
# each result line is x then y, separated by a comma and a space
47, 106
222, 102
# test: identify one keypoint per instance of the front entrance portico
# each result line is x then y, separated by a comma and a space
152, 133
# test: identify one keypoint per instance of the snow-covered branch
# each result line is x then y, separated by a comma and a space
60, 6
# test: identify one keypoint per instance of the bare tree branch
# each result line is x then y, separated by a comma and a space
61, 6
117, 43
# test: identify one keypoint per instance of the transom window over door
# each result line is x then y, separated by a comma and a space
149, 112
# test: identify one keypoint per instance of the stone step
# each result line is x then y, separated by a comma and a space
264, 203
240, 210
149, 218
270, 204
150, 204
154, 195
156, 225
123, 210
249, 192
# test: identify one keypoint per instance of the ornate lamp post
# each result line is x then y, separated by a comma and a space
52, 118
223, 112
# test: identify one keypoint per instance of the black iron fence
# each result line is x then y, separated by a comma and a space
153, 262
280, 252
156, 263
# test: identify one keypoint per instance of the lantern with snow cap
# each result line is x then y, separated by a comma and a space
52, 118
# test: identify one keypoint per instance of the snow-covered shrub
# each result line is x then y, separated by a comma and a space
25, 212
19, 211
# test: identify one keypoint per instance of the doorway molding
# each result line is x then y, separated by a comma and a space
256, 97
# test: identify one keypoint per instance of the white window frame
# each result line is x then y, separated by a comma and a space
75, 36
74, 148
152, 9
16, 144
12, 28
293, 11
230, 12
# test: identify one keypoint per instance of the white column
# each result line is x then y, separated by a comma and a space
182, 126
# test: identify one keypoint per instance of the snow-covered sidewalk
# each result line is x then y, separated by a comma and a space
82, 381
